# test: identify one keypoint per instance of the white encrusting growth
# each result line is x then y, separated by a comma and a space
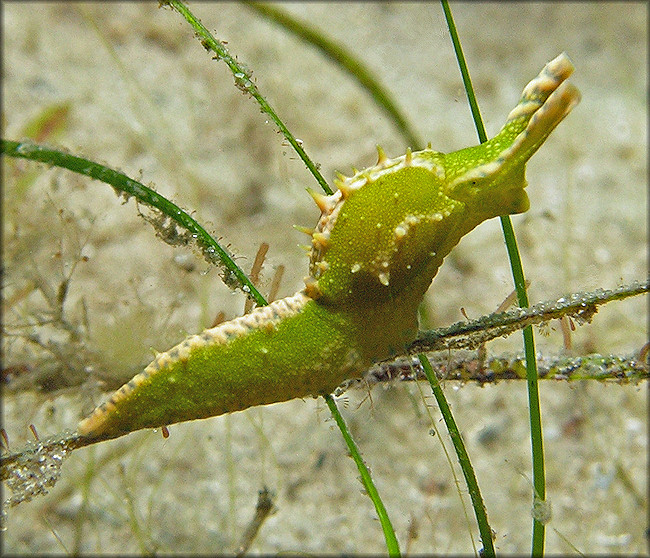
400, 232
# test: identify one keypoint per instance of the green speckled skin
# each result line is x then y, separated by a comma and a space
266, 365
377, 246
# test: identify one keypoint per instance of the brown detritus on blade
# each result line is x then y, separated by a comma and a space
5, 438
275, 283
413, 532
255, 273
219, 319
567, 326
263, 509
34, 433
510, 299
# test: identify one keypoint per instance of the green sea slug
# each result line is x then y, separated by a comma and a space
375, 250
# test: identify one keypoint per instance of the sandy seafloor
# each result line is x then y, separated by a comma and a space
145, 97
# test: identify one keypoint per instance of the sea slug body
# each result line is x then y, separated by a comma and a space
378, 244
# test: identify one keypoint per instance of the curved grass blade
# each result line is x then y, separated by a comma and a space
213, 252
463, 459
244, 82
347, 62
389, 533
536, 434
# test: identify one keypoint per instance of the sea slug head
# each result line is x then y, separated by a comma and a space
491, 177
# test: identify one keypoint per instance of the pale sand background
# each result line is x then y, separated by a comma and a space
175, 119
